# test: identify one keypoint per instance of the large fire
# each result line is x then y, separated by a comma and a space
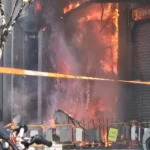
95, 34
109, 31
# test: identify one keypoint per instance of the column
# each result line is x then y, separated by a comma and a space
40, 49
7, 63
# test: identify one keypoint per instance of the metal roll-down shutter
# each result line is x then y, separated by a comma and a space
141, 71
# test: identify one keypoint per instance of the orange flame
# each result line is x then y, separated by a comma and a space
107, 65
70, 7
108, 39
109, 35
115, 40
105, 140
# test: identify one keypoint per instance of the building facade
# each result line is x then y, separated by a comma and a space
21, 51
25, 49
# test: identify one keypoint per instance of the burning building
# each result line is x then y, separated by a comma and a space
75, 38
81, 47
78, 38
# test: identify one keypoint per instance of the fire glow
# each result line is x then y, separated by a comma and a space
109, 20
89, 42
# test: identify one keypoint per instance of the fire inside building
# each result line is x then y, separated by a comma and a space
107, 41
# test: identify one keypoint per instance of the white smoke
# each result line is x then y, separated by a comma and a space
20, 103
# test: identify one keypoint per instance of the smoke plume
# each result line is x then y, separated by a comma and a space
82, 46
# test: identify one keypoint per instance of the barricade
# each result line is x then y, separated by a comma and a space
114, 134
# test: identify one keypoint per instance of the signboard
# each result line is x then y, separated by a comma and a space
113, 134
141, 13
